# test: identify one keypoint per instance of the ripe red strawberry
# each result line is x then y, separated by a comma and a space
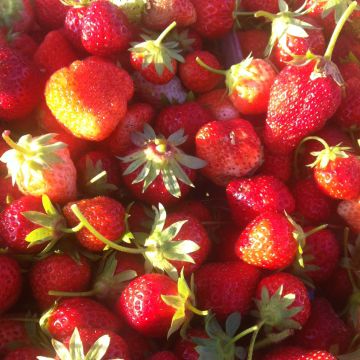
77, 312
50, 14
120, 139
10, 282
271, 6
190, 116
196, 209
226, 287
250, 197
58, 272
231, 149
163, 355
11, 332
79, 97
21, 42
285, 353
21, 84
349, 210
47, 170
219, 104
104, 214
278, 165
194, 77
73, 26
161, 13
17, 15
350, 68
54, 52
185, 347
214, 18
253, 41
157, 170
25, 353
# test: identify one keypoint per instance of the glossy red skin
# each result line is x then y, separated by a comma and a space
8, 190
141, 305
311, 202
105, 214
318, 355
278, 165
194, 77
324, 329
163, 355
25, 353
10, 282
12, 331
340, 179
285, 353
50, 14
137, 116
291, 285
117, 349
78, 312
194, 208
14, 227
190, 116
292, 118
231, 149
214, 18
105, 29
185, 348
21, 84
268, 242
271, 6
129, 262
58, 272
219, 104
250, 197
253, 41
226, 287
73, 25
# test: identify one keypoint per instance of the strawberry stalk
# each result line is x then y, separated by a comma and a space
253, 339
163, 35
209, 68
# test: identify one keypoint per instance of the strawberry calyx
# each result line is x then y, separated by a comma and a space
338, 7
183, 39
77, 3
158, 53
184, 304
160, 156
10, 11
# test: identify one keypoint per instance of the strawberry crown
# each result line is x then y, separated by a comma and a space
10, 11
157, 53
30, 156
133, 9
160, 156
183, 39
184, 304
338, 7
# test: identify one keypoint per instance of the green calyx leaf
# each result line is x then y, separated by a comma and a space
183, 39
328, 154
338, 7
161, 248
10, 11
161, 157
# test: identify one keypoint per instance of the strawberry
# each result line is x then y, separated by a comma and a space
219, 105
25, 353
139, 346
161, 13
196, 209
318, 355
136, 116
257, 5
151, 170
163, 355
185, 347
249, 198
349, 210
12, 331
156, 60
17, 15
350, 68
8, 191
73, 25
21, 42
50, 14
79, 96
40, 165
231, 149
214, 17
58, 272
21, 84
194, 77
226, 287
253, 41
188, 39
11, 282
105, 215
152, 302
278, 165
68, 314
190, 116
285, 353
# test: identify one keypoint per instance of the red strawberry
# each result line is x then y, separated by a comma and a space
139, 346
21, 84
231, 149
77, 312
11, 332
50, 14
190, 116
318, 355
188, 39
248, 198
105, 29
256, 5
185, 347
17, 15
163, 355
194, 77
253, 41
219, 105
8, 192
214, 17
120, 139
349, 210
160, 14
58, 272
278, 165
10, 282
21, 42
73, 25
104, 214
226, 287
285, 353
350, 69
196, 209
25, 353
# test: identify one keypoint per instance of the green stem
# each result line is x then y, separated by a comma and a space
253, 339
244, 333
345, 16
195, 310
315, 230
96, 178
11, 143
101, 237
265, 14
165, 33
72, 294
209, 68
75, 229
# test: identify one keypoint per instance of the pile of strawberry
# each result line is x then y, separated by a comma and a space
180, 179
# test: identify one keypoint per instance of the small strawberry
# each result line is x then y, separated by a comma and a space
58, 272
156, 60
226, 287
194, 77
231, 149
40, 165
17, 15
79, 97
253, 41
152, 171
50, 14
248, 198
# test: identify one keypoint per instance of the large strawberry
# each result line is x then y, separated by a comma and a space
50, 14
89, 98
40, 165
231, 148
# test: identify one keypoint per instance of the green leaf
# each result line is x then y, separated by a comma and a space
99, 348
189, 161
48, 205
170, 182
75, 346
38, 236
173, 230
38, 218
61, 351
233, 323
